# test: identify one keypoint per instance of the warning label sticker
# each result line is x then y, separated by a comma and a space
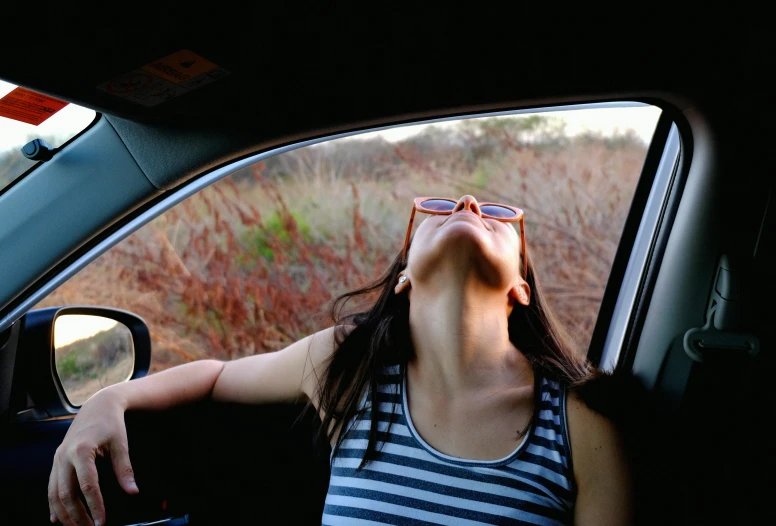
28, 106
180, 67
164, 79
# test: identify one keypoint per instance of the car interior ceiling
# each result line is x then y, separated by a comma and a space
296, 79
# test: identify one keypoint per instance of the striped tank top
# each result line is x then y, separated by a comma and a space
409, 482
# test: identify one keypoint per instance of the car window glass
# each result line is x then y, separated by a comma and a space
252, 263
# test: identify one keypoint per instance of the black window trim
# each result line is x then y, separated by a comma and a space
636, 249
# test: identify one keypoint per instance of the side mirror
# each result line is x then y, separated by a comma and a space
91, 352
70, 353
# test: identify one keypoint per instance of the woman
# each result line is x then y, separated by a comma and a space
470, 372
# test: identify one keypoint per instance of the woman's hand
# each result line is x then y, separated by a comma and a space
97, 430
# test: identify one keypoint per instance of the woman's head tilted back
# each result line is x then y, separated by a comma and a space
458, 250
467, 249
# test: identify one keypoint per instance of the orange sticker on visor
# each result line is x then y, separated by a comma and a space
180, 67
28, 106
164, 79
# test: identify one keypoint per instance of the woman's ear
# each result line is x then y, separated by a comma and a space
521, 292
402, 283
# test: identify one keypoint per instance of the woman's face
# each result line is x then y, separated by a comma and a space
463, 243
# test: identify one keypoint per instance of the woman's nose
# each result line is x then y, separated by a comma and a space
469, 203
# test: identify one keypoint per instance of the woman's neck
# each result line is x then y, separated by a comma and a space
461, 338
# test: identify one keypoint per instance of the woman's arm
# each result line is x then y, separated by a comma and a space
98, 429
283, 376
604, 488
167, 389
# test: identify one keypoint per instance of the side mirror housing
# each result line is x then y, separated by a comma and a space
69, 353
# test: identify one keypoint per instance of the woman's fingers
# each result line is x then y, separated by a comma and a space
75, 474
88, 482
97, 427
119, 456
67, 491
56, 508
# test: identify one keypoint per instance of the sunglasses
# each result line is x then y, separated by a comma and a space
442, 206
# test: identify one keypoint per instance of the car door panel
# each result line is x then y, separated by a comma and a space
216, 463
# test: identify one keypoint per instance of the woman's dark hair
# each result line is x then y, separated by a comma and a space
369, 340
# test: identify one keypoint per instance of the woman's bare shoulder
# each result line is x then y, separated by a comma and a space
320, 348
596, 412
601, 468
589, 429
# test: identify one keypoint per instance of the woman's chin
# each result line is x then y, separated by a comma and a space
467, 244
464, 233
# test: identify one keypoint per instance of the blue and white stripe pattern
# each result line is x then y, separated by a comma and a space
411, 483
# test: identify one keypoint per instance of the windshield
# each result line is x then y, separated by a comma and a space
57, 123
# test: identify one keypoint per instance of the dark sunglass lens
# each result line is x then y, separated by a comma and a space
497, 211
438, 205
